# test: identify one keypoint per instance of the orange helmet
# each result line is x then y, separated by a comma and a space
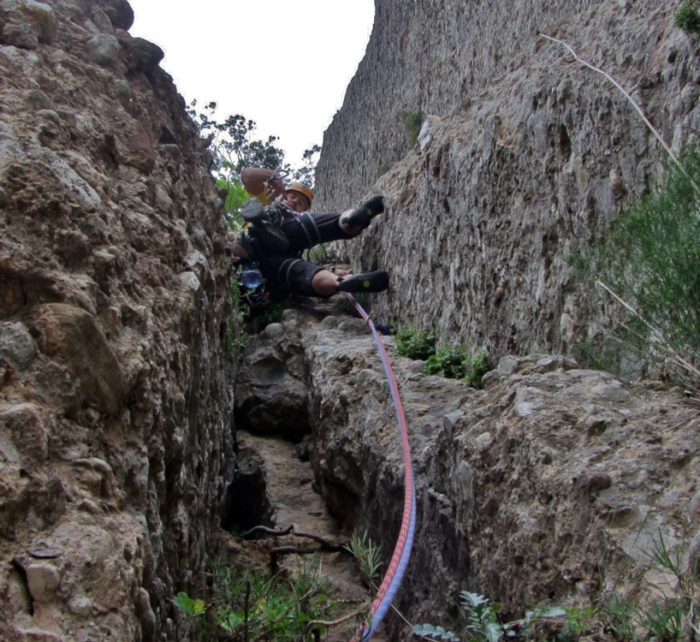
302, 189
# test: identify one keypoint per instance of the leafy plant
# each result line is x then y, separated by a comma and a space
434, 632
235, 197
413, 122
448, 362
688, 17
675, 617
193, 607
579, 621
415, 344
648, 264
650, 255
306, 173
319, 253
236, 331
482, 621
260, 607
482, 616
453, 362
367, 555
456, 363
672, 617
664, 620
617, 615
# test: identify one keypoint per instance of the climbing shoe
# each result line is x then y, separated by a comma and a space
370, 282
366, 212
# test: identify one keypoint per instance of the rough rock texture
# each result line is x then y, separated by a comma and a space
523, 154
550, 485
114, 404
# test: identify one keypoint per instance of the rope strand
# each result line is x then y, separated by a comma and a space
404, 543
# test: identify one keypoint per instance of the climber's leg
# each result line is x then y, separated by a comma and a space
361, 217
325, 283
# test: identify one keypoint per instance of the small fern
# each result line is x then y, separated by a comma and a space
434, 633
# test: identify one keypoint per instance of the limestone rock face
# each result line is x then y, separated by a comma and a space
551, 485
270, 390
523, 154
114, 405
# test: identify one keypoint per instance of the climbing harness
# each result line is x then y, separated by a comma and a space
404, 542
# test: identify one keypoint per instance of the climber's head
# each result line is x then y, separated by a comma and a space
298, 197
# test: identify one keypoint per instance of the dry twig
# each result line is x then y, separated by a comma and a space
637, 108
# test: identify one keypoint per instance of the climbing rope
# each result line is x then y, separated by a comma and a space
404, 542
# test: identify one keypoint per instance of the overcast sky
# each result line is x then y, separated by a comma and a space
283, 64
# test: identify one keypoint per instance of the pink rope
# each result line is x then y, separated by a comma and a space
404, 542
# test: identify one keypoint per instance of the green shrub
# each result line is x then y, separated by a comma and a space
456, 363
413, 122
236, 331
671, 617
367, 555
453, 362
481, 621
261, 607
648, 262
688, 17
235, 197
415, 344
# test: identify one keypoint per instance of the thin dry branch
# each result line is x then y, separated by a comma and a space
656, 335
292, 530
340, 620
299, 550
637, 108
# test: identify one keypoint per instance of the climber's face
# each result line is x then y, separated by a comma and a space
297, 201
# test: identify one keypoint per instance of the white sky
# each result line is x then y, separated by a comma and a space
285, 65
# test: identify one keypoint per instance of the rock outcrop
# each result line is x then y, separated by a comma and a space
552, 485
114, 404
116, 397
524, 155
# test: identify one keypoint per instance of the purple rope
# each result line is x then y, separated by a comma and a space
402, 550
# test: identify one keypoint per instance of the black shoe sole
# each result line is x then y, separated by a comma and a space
371, 282
366, 212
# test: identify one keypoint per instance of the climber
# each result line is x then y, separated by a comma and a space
280, 227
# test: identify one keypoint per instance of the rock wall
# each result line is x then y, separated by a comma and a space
114, 405
552, 485
524, 155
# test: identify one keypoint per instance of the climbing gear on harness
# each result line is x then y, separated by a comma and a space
272, 237
377, 281
404, 542
364, 214
266, 223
